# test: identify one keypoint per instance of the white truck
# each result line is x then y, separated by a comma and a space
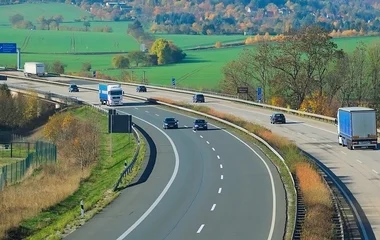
357, 127
34, 69
111, 94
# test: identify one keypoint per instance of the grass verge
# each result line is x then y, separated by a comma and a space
318, 222
95, 188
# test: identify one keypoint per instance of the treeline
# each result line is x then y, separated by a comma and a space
136, 30
53, 23
307, 71
20, 111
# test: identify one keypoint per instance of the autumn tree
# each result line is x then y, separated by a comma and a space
374, 74
57, 67
167, 52
86, 67
15, 19
30, 106
137, 57
58, 20
120, 61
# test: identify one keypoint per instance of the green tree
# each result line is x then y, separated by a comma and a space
30, 107
166, 52
86, 24
58, 20
120, 61
137, 57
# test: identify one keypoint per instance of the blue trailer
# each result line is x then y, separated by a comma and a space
110, 94
357, 127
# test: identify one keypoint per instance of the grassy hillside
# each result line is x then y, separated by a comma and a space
31, 11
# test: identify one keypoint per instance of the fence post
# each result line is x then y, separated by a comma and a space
81, 208
11, 149
11, 172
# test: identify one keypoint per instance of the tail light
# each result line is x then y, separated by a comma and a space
374, 142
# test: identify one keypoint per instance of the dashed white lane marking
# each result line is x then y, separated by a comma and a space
221, 177
218, 156
328, 145
157, 115
136, 108
213, 149
185, 126
343, 152
200, 228
220, 190
359, 161
207, 142
147, 111
314, 139
201, 136
221, 166
213, 207
375, 171
299, 133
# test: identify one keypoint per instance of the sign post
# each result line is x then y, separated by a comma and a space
11, 48
259, 94
173, 81
243, 90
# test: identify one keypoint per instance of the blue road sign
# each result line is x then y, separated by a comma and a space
173, 81
259, 94
8, 48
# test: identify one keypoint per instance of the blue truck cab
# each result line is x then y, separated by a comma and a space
357, 127
111, 94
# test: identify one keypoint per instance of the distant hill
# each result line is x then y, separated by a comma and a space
240, 16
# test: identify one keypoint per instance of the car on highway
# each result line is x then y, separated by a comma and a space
170, 122
141, 88
200, 124
198, 98
277, 118
73, 88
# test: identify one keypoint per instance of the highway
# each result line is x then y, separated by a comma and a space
204, 184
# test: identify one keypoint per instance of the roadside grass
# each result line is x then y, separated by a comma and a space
57, 210
318, 201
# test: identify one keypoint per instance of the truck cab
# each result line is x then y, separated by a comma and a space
111, 94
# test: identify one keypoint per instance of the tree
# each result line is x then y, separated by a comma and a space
30, 107
58, 20
120, 61
58, 67
374, 73
86, 24
42, 20
166, 52
14, 19
137, 57
86, 67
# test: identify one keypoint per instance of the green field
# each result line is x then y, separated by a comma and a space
201, 69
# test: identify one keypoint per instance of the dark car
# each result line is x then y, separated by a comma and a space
141, 89
198, 98
277, 118
200, 124
170, 123
73, 88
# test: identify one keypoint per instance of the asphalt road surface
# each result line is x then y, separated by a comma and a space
201, 185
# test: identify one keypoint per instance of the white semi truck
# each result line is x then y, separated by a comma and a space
357, 127
34, 69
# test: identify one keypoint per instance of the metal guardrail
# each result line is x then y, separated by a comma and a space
129, 168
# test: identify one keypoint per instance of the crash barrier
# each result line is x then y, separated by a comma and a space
43, 153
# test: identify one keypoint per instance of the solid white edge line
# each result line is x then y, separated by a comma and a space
213, 207
220, 190
162, 194
200, 228
274, 204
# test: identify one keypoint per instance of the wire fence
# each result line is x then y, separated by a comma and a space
43, 153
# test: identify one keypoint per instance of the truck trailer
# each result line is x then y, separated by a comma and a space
357, 127
34, 69
111, 94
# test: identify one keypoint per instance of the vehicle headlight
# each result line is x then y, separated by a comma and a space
166, 124
196, 125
